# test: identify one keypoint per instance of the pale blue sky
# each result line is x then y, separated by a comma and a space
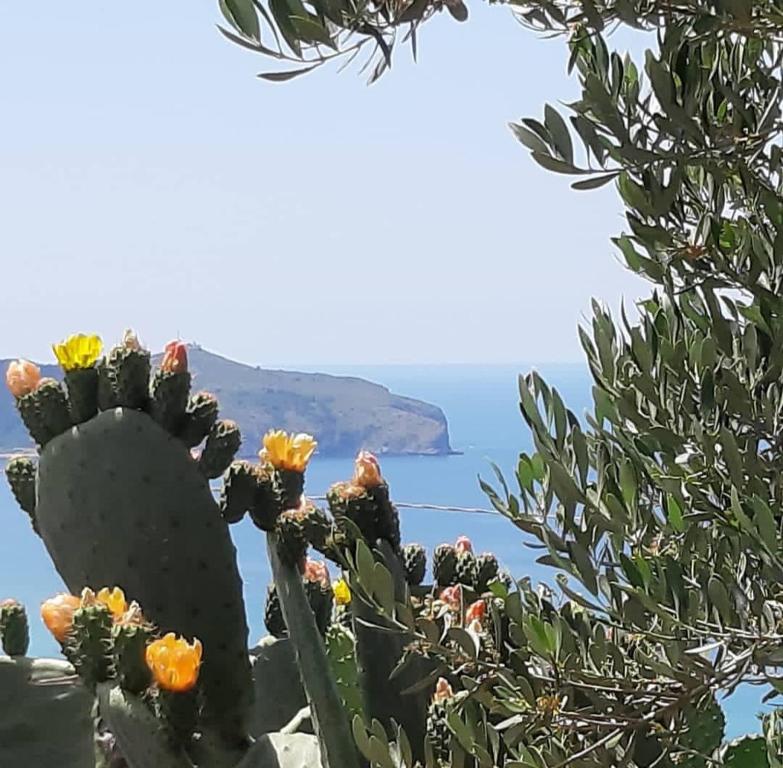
149, 179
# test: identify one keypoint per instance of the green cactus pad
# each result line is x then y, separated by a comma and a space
222, 444
45, 719
138, 733
82, 387
121, 502
321, 598
45, 411
274, 669
21, 472
200, 416
14, 629
170, 393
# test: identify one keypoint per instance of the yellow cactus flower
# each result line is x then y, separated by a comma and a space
114, 600
22, 378
174, 662
287, 451
342, 592
78, 351
57, 614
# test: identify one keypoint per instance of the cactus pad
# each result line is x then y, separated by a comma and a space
121, 501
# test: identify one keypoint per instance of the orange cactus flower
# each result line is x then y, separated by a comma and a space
316, 571
114, 600
443, 690
287, 451
175, 358
22, 377
367, 471
463, 545
476, 612
174, 662
452, 596
57, 614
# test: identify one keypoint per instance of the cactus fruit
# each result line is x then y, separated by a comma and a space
487, 570
222, 444
273, 614
170, 393
265, 507
14, 629
89, 644
44, 411
444, 565
238, 495
82, 387
120, 501
370, 509
354, 503
388, 518
125, 376
317, 527
320, 597
130, 643
414, 561
291, 539
21, 472
200, 416
466, 570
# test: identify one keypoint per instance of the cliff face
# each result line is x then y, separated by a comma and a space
345, 414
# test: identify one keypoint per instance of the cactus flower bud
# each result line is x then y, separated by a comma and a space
452, 597
443, 690
287, 451
22, 377
78, 351
367, 471
57, 614
317, 572
463, 545
174, 662
342, 592
476, 611
175, 358
130, 341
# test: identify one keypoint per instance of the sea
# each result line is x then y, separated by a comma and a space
485, 425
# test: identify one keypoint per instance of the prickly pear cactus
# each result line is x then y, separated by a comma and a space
121, 501
45, 715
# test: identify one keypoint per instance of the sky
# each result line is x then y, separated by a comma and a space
149, 179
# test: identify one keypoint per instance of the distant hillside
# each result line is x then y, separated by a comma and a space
345, 414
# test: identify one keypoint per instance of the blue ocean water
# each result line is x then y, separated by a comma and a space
480, 403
